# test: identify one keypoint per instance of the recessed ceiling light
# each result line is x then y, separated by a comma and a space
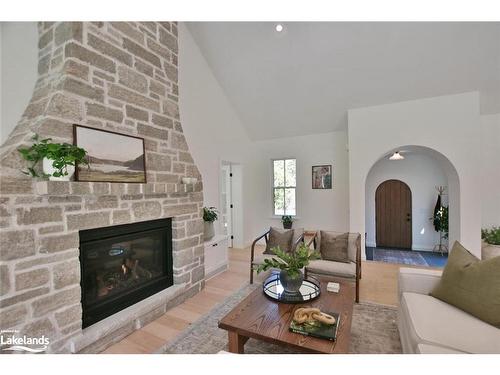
396, 156
279, 27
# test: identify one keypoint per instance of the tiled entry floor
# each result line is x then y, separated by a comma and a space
409, 257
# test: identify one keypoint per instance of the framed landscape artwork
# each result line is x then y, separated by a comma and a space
113, 157
322, 177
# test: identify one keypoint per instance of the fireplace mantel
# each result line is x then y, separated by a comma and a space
107, 188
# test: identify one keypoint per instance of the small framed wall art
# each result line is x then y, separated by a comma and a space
113, 157
322, 177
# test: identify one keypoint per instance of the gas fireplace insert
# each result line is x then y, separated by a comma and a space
122, 265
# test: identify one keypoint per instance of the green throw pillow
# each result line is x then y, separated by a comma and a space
471, 284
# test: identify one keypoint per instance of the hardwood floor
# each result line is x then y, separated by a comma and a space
378, 284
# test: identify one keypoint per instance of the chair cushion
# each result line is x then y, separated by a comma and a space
282, 238
437, 323
471, 284
334, 247
351, 243
329, 268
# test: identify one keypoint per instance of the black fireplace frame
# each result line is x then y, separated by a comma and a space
101, 310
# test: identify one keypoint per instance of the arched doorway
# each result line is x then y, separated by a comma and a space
393, 215
422, 172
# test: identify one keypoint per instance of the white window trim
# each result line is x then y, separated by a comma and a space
273, 216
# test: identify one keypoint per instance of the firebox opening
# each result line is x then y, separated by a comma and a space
122, 265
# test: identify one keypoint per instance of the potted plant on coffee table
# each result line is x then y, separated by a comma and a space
290, 264
491, 242
287, 221
210, 214
58, 159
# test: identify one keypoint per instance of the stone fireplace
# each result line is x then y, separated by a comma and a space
122, 77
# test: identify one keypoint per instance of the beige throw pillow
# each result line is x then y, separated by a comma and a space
334, 247
471, 284
283, 240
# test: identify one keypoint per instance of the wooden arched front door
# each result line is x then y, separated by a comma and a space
393, 214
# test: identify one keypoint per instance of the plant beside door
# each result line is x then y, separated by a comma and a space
210, 214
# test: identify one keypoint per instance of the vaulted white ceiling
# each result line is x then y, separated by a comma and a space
304, 79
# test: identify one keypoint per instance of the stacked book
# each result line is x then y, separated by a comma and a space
318, 329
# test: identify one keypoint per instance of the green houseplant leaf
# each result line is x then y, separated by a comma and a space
491, 236
210, 214
292, 262
61, 154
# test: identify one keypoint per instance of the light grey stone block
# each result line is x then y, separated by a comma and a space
32, 279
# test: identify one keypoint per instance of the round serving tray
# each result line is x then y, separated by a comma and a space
309, 290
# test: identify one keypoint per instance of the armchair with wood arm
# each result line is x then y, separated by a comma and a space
350, 270
255, 261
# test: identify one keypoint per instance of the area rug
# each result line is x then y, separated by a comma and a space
412, 257
399, 256
373, 331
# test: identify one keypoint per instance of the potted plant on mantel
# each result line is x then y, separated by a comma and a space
287, 221
491, 243
58, 159
210, 214
290, 264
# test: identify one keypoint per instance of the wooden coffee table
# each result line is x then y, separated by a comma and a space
261, 318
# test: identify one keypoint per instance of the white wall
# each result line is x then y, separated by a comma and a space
448, 124
421, 173
213, 130
18, 71
490, 170
316, 209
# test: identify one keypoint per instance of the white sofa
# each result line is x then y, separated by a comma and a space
429, 326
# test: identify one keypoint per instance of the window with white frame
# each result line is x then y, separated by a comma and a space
284, 185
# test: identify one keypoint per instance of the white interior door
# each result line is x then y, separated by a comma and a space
226, 204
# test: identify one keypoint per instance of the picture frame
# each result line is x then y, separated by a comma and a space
113, 157
322, 176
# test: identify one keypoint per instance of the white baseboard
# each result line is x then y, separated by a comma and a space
422, 248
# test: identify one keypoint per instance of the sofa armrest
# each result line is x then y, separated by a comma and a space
417, 280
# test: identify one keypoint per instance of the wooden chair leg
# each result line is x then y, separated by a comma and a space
251, 274
357, 291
